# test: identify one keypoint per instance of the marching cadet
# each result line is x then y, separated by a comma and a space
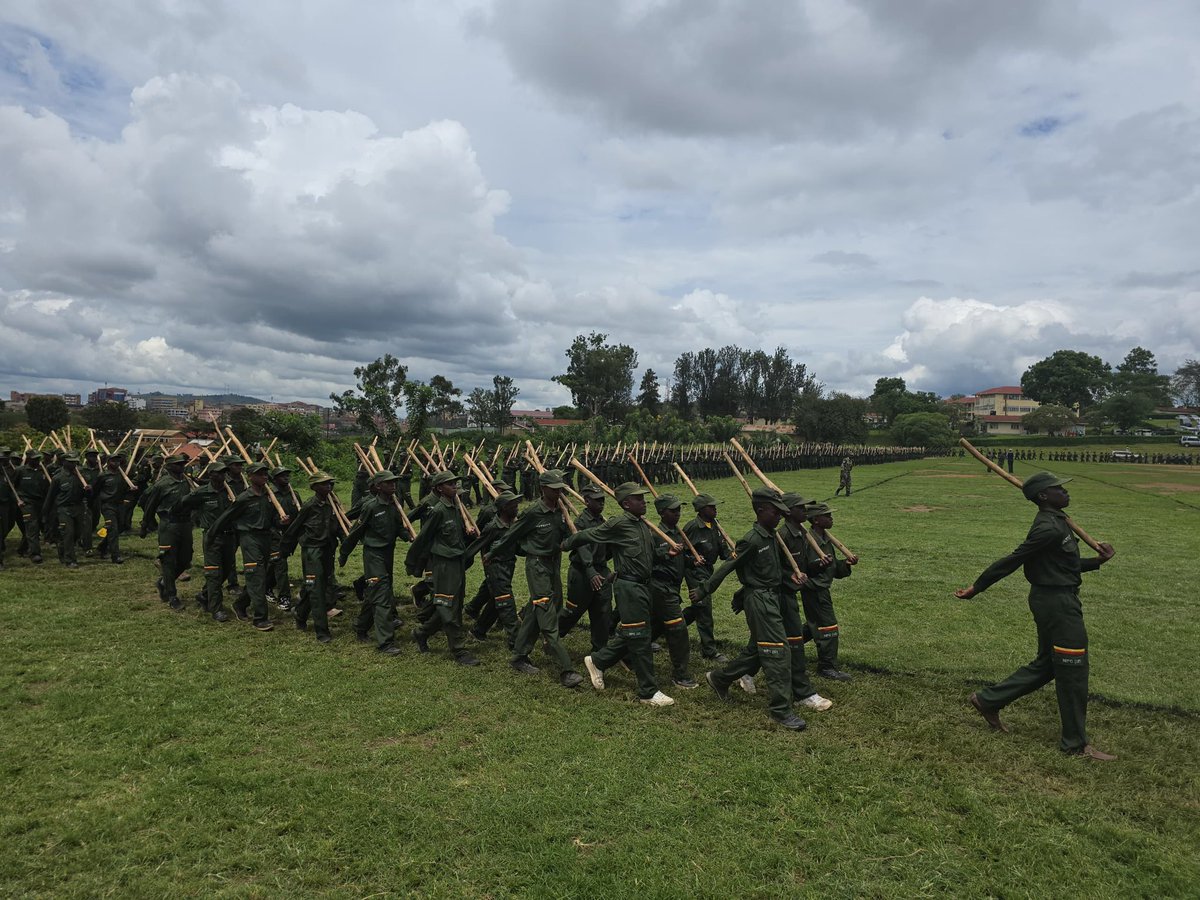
110, 491
10, 509
91, 471
165, 504
666, 580
32, 485
1050, 556
314, 528
212, 500
760, 570
821, 623
631, 545
378, 526
68, 498
537, 535
279, 585
253, 516
589, 579
498, 569
442, 544
706, 537
483, 596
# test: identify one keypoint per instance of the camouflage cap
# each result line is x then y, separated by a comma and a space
764, 494
664, 502
255, 468
551, 478
33, 454
381, 476
628, 489
702, 500
440, 478
319, 478
1035, 484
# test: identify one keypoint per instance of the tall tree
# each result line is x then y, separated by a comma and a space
46, 414
445, 406
503, 396
681, 384
376, 402
1138, 374
1185, 383
479, 408
599, 375
1068, 378
418, 398
109, 420
922, 429
300, 432
1050, 418
836, 419
648, 393
247, 423
888, 398
1125, 410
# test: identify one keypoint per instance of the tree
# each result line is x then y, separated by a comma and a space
837, 419
195, 428
1138, 374
110, 420
418, 398
300, 432
247, 424
445, 405
922, 429
46, 414
1185, 383
599, 375
380, 394
1127, 411
1068, 378
1050, 418
681, 384
722, 428
504, 395
479, 408
888, 398
648, 393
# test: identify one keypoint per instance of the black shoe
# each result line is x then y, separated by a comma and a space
361, 636
571, 679
524, 666
89, 553
264, 625
220, 616
390, 650
833, 674
118, 560
466, 659
685, 684
301, 626
421, 641
791, 722
241, 609
323, 639
36, 560
655, 647
175, 603
721, 692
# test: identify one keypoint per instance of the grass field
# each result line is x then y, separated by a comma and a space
151, 753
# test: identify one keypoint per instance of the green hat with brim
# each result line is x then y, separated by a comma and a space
217, 468
702, 500
381, 476
592, 492
551, 478
280, 470
1035, 484
502, 486
230, 460
35, 455
70, 457
505, 497
629, 489
319, 478
440, 478
181, 458
768, 495
792, 499
818, 509
255, 468
665, 502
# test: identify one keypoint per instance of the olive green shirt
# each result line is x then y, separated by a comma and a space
538, 531
378, 525
758, 564
167, 493
1050, 555
820, 576
706, 538
592, 559
628, 539
312, 526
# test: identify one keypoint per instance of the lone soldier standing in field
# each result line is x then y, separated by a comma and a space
844, 476
1050, 555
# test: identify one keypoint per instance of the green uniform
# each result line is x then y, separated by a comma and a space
706, 538
498, 605
537, 535
69, 501
174, 528
443, 543
32, 486
378, 526
278, 581
1050, 556
314, 529
110, 491
211, 502
760, 570
631, 546
588, 561
666, 605
253, 517
820, 619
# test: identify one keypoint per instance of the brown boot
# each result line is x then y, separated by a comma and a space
989, 715
1092, 753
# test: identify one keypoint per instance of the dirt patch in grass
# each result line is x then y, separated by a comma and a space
1169, 486
920, 508
943, 475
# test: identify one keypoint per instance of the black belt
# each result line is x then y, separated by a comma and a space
645, 581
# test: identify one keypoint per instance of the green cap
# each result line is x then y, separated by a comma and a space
792, 499
33, 454
592, 492
628, 489
441, 478
664, 502
319, 478
217, 468
91, 451
502, 486
70, 456
505, 497
255, 468
381, 476
818, 509
1035, 484
230, 460
702, 500
179, 458
768, 495
551, 478
280, 470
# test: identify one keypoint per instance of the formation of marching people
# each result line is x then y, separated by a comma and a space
625, 572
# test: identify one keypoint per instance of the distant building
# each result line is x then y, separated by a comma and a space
18, 399
73, 401
999, 410
108, 395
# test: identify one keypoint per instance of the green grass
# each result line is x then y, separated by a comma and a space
150, 753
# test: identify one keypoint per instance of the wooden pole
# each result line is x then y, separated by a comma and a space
696, 493
778, 537
1017, 482
687, 542
591, 476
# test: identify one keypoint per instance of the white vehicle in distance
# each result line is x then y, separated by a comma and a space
1126, 454
1190, 440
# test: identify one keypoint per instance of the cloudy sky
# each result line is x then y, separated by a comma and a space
260, 196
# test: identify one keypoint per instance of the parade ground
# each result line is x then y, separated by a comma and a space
151, 753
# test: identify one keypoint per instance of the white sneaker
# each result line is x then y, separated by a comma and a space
594, 673
746, 683
659, 699
817, 702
